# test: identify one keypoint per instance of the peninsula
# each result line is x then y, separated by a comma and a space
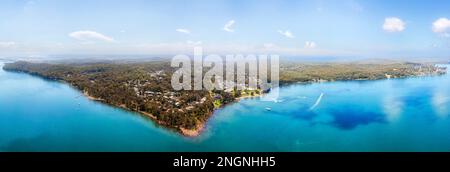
145, 87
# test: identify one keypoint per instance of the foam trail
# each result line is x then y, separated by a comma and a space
317, 102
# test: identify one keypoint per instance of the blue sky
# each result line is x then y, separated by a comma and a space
366, 28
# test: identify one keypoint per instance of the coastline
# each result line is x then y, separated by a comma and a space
86, 94
200, 126
283, 84
183, 131
248, 97
199, 129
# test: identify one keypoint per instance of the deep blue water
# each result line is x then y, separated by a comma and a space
387, 115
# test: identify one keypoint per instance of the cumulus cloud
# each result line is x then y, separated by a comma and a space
228, 26
90, 36
310, 44
286, 33
185, 31
442, 26
393, 24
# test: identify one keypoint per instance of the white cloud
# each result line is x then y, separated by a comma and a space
228, 26
184, 31
310, 44
90, 36
7, 44
442, 26
393, 24
286, 33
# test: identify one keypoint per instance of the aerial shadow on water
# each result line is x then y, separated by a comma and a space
24, 144
418, 97
347, 119
304, 113
342, 118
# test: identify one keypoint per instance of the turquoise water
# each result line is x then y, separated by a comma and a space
387, 115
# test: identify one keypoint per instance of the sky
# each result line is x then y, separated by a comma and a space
357, 28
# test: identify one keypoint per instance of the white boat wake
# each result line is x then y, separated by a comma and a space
317, 102
278, 100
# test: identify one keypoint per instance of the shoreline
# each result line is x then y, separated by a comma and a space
248, 97
183, 131
201, 125
283, 84
199, 129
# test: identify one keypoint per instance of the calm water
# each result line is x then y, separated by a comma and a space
387, 115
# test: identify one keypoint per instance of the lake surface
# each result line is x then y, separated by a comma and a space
388, 115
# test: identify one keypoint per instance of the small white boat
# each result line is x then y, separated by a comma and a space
269, 109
